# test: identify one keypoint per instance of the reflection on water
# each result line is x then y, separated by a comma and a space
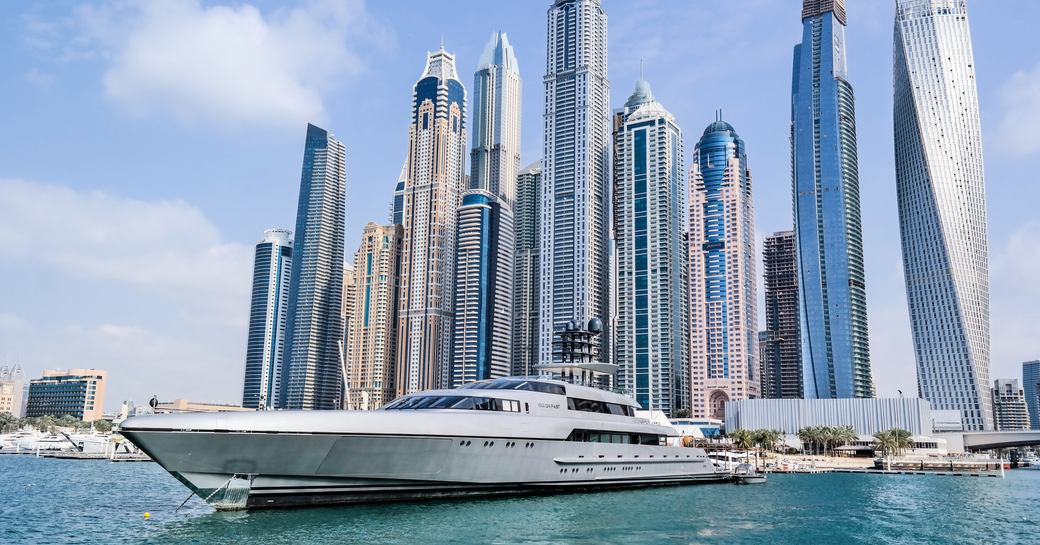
58, 501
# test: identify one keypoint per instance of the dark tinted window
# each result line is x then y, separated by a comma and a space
594, 406
517, 384
598, 436
454, 402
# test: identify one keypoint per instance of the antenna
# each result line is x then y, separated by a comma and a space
442, 41
640, 68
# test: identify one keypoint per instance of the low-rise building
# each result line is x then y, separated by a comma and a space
185, 406
866, 415
60, 392
12, 383
1009, 406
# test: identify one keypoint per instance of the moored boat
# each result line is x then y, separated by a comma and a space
499, 437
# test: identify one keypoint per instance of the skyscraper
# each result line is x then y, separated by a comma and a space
574, 259
496, 121
371, 353
526, 271
780, 354
482, 342
314, 378
835, 348
349, 301
649, 199
722, 300
482, 345
1009, 406
434, 183
942, 205
268, 315
12, 390
397, 205
1031, 390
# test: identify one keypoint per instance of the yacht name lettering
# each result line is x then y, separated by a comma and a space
549, 405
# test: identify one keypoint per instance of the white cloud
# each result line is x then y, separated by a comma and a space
1014, 297
147, 290
166, 245
229, 65
1018, 131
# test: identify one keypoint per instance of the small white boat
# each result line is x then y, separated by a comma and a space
747, 474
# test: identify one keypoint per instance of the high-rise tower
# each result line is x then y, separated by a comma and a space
781, 343
649, 199
268, 314
434, 183
496, 121
722, 300
526, 272
1031, 389
575, 262
835, 348
314, 378
942, 206
372, 347
482, 343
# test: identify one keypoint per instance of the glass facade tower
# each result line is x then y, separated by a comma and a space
526, 270
482, 346
649, 204
574, 258
434, 181
942, 206
268, 315
723, 305
314, 331
484, 279
825, 171
1031, 389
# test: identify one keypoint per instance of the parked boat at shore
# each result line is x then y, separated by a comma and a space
499, 437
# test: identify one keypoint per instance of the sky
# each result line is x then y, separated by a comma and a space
145, 146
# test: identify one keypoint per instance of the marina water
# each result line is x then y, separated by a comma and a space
69, 501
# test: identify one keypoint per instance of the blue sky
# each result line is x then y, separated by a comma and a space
144, 147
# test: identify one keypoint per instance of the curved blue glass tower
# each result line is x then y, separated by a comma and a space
835, 350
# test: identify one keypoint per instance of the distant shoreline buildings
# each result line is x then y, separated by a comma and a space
477, 275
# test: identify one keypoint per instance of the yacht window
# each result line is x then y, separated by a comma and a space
597, 436
444, 402
454, 402
594, 406
514, 384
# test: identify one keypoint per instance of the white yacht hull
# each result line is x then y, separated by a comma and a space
257, 470
499, 437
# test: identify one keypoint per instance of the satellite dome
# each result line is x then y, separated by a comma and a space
595, 325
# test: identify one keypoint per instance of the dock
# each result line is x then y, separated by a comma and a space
995, 474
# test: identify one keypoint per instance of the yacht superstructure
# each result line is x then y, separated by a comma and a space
498, 437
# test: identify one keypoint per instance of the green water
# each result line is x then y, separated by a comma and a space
67, 501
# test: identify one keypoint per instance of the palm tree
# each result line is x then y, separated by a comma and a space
885, 441
743, 439
805, 436
846, 435
902, 440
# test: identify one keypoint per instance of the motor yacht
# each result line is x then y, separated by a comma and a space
506, 436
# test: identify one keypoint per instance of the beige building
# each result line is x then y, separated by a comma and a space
12, 383
76, 392
722, 283
185, 406
371, 349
